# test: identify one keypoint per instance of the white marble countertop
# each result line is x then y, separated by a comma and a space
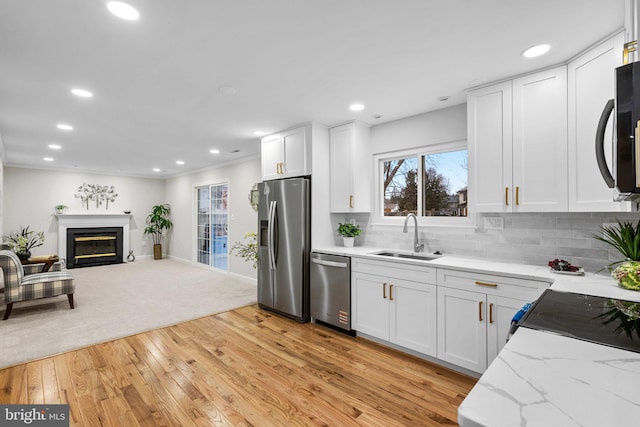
539, 378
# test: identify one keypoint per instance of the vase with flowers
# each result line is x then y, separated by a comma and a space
21, 242
625, 238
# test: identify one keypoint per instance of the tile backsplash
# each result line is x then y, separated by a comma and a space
529, 238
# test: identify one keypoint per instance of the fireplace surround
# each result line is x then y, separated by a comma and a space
88, 221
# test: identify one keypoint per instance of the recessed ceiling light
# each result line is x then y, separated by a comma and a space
356, 107
54, 146
64, 126
214, 151
259, 133
156, 169
536, 50
123, 10
179, 162
48, 159
82, 93
227, 90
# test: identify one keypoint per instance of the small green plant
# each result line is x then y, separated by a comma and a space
60, 207
247, 251
348, 230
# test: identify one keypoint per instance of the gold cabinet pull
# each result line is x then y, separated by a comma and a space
628, 48
278, 168
384, 290
491, 313
480, 310
490, 285
390, 292
517, 196
351, 202
506, 196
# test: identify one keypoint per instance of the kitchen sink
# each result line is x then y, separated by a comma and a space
420, 257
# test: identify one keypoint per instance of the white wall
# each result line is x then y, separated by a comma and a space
31, 194
435, 127
181, 195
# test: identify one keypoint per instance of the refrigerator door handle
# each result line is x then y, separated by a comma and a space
270, 239
602, 163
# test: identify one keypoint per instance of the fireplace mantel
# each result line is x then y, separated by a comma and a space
91, 220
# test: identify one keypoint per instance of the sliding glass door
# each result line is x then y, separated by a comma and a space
212, 225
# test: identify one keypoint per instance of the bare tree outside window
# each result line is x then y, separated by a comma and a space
440, 179
400, 186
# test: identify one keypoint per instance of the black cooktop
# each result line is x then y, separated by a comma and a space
586, 317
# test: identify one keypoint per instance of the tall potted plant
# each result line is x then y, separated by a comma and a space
158, 221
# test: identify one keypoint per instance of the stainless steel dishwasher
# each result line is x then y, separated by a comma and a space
330, 293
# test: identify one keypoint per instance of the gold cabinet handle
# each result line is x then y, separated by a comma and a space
506, 196
480, 310
390, 292
490, 285
491, 313
350, 202
384, 290
278, 168
517, 196
628, 48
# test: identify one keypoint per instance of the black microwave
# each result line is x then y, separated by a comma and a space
625, 177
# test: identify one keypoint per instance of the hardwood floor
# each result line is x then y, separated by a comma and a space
246, 367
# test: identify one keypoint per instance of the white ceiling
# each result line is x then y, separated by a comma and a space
157, 81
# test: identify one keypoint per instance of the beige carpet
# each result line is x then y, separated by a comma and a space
116, 301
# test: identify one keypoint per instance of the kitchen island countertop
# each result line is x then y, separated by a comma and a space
540, 378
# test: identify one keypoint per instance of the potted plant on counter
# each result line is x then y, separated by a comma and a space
158, 221
625, 238
348, 232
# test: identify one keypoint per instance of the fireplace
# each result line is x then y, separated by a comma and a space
94, 246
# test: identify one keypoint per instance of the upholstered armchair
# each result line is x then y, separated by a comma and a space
25, 284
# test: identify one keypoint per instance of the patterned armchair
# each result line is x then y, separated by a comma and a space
25, 284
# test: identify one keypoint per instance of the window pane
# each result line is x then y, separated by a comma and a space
400, 184
445, 184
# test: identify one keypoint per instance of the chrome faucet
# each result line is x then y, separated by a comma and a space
417, 247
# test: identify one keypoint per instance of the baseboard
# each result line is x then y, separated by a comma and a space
237, 276
246, 279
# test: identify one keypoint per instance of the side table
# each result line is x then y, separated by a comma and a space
48, 261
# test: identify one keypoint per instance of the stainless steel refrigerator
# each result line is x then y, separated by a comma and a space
284, 243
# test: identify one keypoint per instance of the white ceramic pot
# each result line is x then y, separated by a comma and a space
348, 241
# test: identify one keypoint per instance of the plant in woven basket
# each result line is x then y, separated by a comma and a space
625, 238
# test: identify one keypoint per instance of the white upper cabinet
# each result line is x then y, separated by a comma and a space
540, 142
286, 154
518, 144
490, 145
351, 168
591, 79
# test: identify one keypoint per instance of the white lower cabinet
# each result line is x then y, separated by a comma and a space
475, 312
398, 305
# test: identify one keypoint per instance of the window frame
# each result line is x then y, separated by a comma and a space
430, 221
